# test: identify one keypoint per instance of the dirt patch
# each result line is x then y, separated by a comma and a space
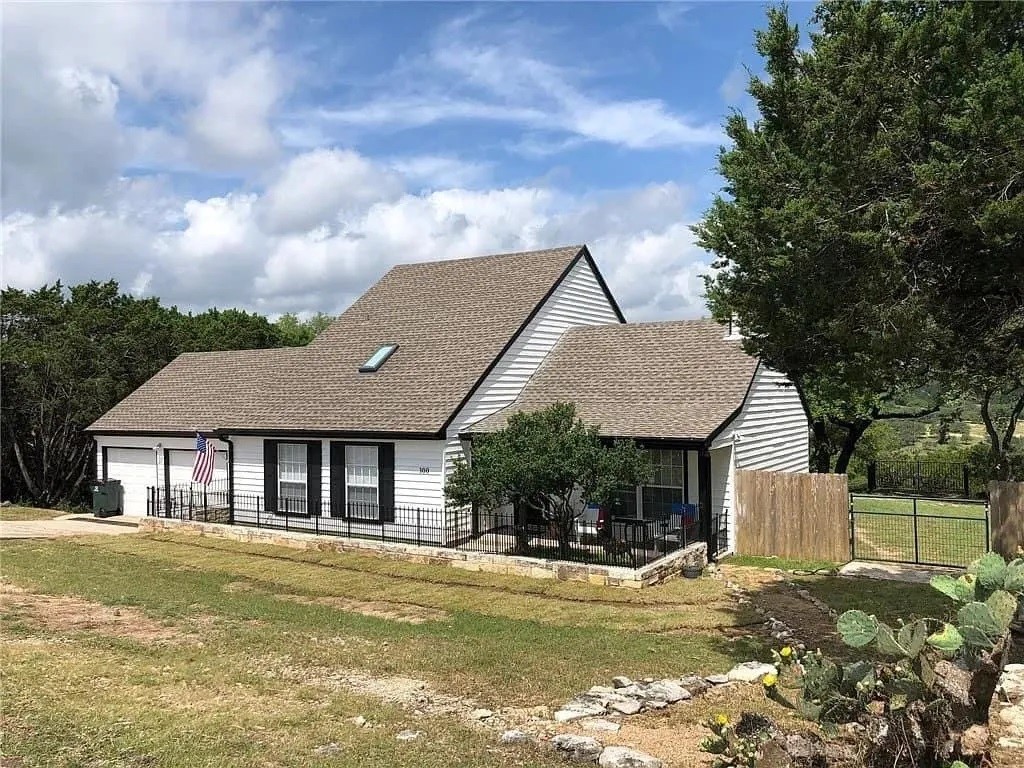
769, 591
72, 614
406, 692
403, 612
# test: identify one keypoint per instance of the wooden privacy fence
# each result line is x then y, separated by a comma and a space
1006, 510
802, 516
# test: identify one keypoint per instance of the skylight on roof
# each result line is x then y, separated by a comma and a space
378, 358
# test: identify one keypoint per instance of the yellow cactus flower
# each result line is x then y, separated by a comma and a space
786, 652
721, 719
769, 680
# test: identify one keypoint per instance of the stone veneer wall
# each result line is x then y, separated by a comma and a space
1006, 719
612, 576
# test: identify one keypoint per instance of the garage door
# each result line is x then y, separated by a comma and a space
135, 469
181, 466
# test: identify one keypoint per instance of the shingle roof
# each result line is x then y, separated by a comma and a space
678, 380
451, 320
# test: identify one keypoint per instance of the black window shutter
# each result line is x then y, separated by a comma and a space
270, 475
386, 481
314, 477
338, 480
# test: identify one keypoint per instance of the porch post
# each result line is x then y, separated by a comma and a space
704, 491
167, 479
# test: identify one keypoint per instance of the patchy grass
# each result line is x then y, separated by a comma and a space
181, 650
888, 600
948, 532
29, 513
785, 564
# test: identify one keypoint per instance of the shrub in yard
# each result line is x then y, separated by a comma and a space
934, 680
548, 462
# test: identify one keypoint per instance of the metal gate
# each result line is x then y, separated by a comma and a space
916, 529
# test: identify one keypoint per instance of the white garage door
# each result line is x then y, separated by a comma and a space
181, 466
135, 469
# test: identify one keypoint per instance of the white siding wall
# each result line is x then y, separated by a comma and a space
414, 487
722, 474
770, 432
578, 300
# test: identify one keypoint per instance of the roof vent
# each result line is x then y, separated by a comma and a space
378, 358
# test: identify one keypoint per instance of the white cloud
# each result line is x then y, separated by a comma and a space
316, 187
471, 73
231, 126
672, 15
734, 86
84, 83
437, 171
261, 250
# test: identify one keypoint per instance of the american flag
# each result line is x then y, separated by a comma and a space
206, 456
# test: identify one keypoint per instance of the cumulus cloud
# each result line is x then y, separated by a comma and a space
86, 87
270, 252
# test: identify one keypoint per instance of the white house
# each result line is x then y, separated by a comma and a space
356, 432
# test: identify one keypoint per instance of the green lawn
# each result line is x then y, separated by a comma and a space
948, 532
164, 650
28, 513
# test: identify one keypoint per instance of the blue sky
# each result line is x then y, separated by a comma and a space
281, 157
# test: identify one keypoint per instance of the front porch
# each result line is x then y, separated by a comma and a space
621, 541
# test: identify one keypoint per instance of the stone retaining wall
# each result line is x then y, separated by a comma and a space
605, 575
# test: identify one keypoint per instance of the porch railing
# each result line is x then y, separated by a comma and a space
621, 541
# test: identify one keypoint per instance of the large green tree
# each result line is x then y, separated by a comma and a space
848, 223
548, 461
70, 354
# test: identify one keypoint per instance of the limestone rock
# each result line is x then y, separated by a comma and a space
481, 714
515, 737
717, 679
582, 749
600, 724
750, 671
665, 690
409, 735
328, 749
624, 757
627, 707
621, 681
576, 710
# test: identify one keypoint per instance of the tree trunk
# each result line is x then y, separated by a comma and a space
854, 432
821, 456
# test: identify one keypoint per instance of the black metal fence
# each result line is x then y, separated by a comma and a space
912, 529
624, 542
920, 477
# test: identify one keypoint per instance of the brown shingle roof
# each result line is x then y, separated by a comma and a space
678, 380
451, 320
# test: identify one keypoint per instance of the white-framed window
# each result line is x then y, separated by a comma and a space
362, 481
292, 480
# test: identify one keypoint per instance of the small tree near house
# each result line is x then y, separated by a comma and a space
548, 461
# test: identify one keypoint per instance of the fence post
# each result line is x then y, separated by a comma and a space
917, 545
967, 481
988, 526
418, 526
259, 505
872, 476
853, 532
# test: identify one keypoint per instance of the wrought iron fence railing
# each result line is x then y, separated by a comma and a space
619, 541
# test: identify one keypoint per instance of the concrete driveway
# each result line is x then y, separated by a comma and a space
77, 525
